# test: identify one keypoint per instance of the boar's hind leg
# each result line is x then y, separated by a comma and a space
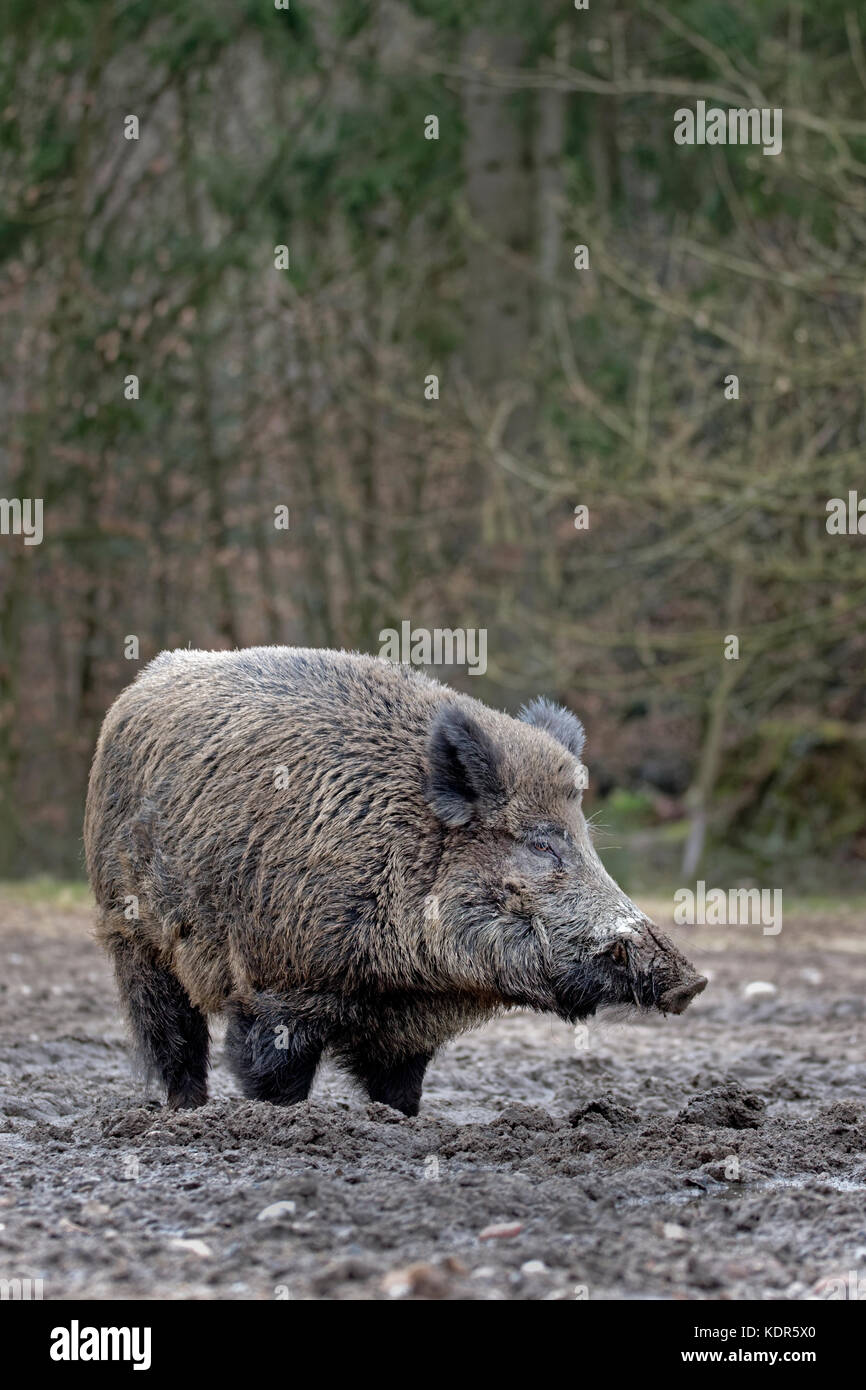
272, 1058
394, 1083
171, 1034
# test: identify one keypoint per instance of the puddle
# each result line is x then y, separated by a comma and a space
800, 1182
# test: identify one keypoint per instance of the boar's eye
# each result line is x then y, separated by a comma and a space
544, 847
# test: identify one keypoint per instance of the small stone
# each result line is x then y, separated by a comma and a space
671, 1231
94, 1211
195, 1247
419, 1281
533, 1267
276, 1210
759, 989
503, 1231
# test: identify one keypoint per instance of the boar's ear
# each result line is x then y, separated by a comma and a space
463, 772
560, 723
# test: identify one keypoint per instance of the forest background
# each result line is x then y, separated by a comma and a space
432, 378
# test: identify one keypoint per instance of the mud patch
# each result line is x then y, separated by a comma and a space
721, 1154
729, 1106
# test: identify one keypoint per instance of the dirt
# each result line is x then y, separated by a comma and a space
721, 1154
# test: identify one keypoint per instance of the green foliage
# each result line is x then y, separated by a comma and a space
305, 127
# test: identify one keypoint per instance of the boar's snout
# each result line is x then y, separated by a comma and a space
677, 1000
673, 980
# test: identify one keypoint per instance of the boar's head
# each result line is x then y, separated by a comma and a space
524, 909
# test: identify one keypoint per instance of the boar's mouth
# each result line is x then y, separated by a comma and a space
597, 985
677, 1000
581, 994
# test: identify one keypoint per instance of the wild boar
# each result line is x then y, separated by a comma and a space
345, 856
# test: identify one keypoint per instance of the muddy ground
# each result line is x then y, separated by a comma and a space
717, 1155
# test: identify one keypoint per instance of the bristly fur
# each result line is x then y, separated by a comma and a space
341, 854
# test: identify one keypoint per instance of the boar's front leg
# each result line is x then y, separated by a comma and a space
273, 1057
397, 1083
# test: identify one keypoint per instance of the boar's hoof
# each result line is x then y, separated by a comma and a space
398, 1083
188, 1097
677, 1000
